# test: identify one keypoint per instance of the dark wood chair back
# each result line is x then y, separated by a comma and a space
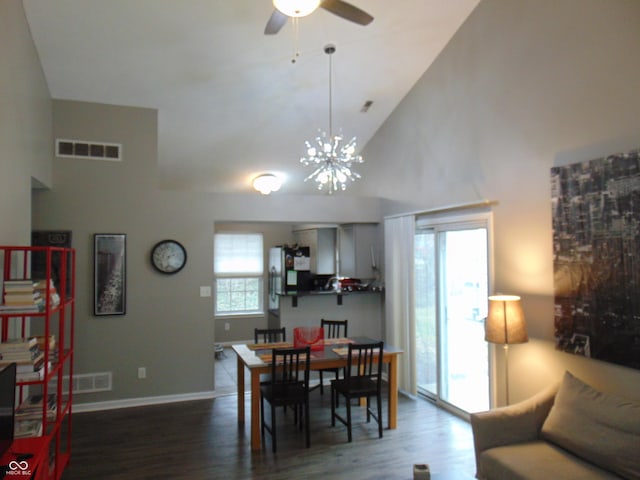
270, 335
363, 379
290, 366
334, 328
365, 361
288, 386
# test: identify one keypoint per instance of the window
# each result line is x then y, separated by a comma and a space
238, 265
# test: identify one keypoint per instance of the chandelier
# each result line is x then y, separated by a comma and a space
328, 155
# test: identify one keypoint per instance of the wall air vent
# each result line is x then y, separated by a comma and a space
111, 152
87, 383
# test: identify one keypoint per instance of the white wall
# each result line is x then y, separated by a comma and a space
522, 86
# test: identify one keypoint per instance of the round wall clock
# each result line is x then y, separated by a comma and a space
168, 256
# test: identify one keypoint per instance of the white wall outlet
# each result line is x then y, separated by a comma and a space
227, 326
142, 372
205, 291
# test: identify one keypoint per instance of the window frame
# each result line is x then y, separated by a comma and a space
239, 275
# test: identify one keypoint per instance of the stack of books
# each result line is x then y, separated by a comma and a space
41, 287
53, 352
27, 428
22, 296
31, 408
26, 353
41, 339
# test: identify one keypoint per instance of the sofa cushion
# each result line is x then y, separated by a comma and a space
537, 460
599, 427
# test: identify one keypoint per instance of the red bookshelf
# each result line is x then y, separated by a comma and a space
44, 385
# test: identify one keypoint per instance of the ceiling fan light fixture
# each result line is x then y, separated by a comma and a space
296, 8
267, 183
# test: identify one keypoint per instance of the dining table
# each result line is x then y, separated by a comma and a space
332, 353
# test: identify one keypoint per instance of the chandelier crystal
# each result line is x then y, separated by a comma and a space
331, 159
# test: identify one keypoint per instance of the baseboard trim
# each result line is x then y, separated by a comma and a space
142, 401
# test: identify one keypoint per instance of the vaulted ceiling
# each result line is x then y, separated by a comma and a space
231, 102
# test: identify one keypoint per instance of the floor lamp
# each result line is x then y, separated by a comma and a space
505, 325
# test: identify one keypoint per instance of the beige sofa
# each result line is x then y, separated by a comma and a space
568, 431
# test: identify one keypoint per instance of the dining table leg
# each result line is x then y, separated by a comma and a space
255, 411
240, 384
393, 392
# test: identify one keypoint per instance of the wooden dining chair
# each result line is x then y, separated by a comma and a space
270, 335
289, 386
363, 379
332, 329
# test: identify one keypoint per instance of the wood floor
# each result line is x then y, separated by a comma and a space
202, 440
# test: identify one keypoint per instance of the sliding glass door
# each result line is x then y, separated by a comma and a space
451, 288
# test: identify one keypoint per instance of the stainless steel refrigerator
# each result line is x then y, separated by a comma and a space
289, 273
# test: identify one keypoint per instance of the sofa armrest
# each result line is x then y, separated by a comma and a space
517, 423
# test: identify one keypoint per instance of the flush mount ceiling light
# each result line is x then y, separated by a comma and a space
267, 183
296, 8
331, 159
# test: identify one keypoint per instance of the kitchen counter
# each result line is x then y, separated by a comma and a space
338, 292
334, 293
363, 309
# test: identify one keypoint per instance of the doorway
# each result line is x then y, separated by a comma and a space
451, 273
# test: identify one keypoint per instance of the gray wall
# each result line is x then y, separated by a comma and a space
168, 328
25, 124
522, 86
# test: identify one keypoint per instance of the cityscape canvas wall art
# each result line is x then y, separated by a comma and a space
596, 249
109, 270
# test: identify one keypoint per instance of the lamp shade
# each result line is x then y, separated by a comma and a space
505, 323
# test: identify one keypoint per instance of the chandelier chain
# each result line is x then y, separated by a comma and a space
330, 94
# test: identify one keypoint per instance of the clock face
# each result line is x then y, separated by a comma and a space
168, 256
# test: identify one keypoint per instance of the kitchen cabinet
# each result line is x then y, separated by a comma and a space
358, 250
322, 245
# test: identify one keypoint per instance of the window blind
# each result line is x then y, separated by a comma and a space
238, 254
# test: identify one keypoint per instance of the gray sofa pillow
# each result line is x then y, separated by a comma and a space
599, 427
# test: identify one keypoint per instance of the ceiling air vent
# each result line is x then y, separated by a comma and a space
92, 150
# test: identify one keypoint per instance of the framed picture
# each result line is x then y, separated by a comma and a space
110, 274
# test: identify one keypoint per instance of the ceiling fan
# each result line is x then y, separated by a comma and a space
301, 8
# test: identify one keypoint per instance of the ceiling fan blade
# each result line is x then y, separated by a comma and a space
347, 11
275, 23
